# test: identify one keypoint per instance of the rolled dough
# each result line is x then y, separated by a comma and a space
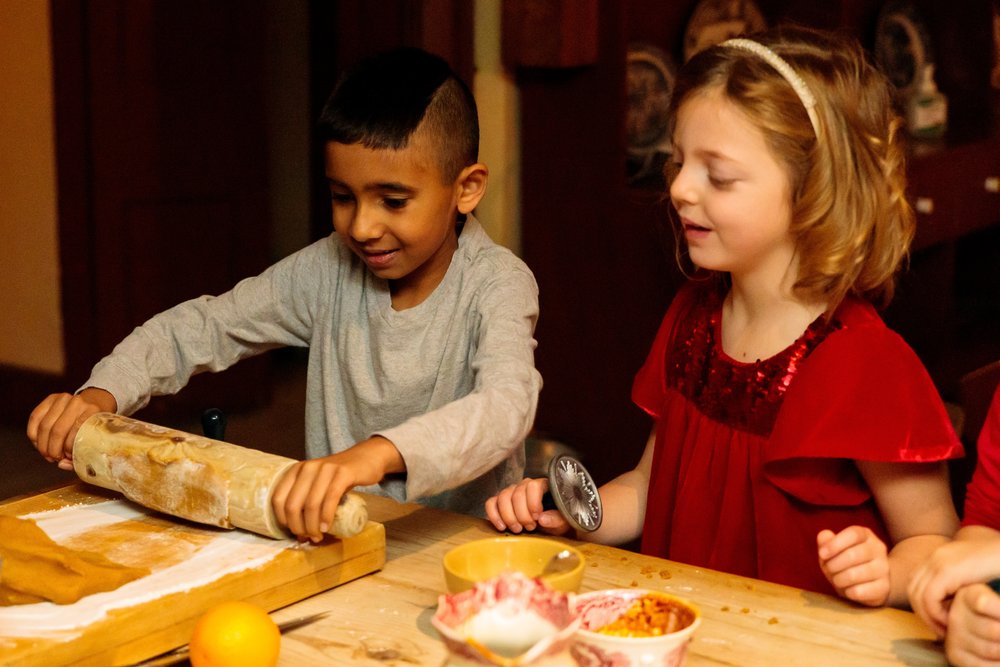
33, 568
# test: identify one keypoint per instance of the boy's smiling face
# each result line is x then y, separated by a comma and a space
394, 209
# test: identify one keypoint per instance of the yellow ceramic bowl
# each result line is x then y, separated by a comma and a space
481, 560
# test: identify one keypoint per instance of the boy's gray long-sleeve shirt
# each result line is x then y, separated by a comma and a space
451, 382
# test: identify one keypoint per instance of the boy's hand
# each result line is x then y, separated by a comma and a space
306, 498
974, 627
53, 424
856, 562
519, 507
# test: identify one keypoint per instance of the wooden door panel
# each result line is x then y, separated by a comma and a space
203, 263
161, 160
177, 167
602, 253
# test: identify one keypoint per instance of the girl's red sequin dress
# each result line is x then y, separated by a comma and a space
752, 460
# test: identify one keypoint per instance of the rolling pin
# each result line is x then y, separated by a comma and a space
192, 477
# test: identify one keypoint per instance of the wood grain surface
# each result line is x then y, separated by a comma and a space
383, 619
151, 626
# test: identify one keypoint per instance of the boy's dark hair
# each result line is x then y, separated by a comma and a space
384, 98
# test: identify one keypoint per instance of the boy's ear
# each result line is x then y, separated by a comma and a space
471, 186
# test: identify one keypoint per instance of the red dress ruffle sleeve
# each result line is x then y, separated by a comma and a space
752, 460
862, 395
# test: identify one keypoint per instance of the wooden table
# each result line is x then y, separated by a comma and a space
383, 619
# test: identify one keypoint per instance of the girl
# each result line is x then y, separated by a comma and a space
949, 591
796, 438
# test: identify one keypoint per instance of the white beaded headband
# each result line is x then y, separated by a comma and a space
785, 70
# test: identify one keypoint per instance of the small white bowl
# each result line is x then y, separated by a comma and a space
510, 620
597, 610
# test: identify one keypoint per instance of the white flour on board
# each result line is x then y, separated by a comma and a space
228, 552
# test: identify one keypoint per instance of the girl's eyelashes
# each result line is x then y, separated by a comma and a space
720, 182
395, 203
716, 181
341, 198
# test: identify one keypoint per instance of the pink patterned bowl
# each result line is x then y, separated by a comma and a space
633, 628
510, 620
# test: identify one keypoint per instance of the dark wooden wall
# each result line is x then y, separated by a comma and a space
161, 175
162, 164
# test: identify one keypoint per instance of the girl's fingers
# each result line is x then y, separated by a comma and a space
858, 574
831, 545
493, 514
865, 561
519, 502
870, 592
506, 510
534, 493
553, 521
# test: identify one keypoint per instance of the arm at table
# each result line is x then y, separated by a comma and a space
624, 502
973, 557
915, 502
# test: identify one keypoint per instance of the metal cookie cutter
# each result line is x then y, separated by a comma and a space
572, 491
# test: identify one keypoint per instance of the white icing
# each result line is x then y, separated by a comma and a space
225, 553
509, 630
69, 521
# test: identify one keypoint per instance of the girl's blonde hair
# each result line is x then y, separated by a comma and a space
850, 217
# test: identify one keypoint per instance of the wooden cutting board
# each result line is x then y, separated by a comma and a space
192, 568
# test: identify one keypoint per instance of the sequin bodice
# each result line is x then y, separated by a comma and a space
743, 396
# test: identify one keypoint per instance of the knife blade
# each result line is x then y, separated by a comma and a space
182, 653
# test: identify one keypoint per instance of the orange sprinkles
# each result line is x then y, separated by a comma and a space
649, 616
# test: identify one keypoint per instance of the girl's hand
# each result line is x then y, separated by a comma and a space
974, 627
949, 568
856, 562
519, 507
305, 499
53, 424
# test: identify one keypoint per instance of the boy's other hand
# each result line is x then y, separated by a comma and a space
305, 500
974, 627
519, 507
856, 562
53, 424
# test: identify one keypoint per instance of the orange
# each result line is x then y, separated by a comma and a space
235, 634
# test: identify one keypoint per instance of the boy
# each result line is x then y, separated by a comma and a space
421, 380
